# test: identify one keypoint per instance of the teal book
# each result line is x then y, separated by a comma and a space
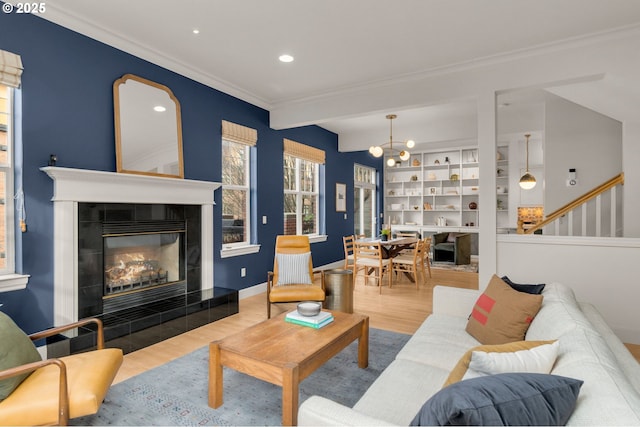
310, 324
318, 318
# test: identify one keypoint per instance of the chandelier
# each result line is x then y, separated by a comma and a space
527, 181
378, 150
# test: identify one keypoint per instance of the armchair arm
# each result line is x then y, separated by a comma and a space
63, 401
270, 275
56, 330
321, 273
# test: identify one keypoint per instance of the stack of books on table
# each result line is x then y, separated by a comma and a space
318, 321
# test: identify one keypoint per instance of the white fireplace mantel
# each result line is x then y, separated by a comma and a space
72, 186
82, 185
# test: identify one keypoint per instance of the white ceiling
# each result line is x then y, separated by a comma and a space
338, 45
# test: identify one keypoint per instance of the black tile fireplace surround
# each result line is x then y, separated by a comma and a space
152, 320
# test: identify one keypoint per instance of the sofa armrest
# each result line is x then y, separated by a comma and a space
319, 411
454, 301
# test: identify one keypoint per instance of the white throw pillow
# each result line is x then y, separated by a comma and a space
293, 268
537, 360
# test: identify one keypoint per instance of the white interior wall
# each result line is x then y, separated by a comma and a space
576, 137
600, 271
631, 188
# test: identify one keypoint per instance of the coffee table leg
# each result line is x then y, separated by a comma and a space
290, 382
363, 345
215, 375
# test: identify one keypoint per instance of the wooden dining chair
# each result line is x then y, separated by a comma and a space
368, 258
347, 242
411, 263
407, 234
426, 255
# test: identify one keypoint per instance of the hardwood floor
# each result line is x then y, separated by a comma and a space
401, 309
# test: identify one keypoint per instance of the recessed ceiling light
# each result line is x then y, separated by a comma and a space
159, 108
196, 31
285, 58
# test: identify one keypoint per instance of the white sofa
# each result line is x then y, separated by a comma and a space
588, 350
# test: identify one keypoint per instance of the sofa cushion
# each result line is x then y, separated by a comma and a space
522, 287
440, 341
293, 268
607, 396
398, 393
16, 349
501, 314
559, 314
517, 356
503, 399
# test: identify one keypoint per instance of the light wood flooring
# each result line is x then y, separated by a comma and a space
401, 309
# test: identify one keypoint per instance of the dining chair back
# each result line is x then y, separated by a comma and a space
409, 263
368, 258
426, 255
347, 242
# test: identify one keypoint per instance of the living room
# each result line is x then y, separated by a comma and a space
67, 110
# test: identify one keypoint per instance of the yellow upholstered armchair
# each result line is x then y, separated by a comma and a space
292, 277
37, 392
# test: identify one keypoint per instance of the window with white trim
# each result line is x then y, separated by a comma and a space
10, 75
6, 181
364, 185
237, 145
302, 188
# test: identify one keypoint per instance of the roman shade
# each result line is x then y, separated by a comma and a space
302, 151
10, 69
238, 133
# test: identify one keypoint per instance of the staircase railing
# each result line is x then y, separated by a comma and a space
581, 204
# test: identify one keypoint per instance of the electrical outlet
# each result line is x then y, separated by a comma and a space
243, 272
345, 216
264, 219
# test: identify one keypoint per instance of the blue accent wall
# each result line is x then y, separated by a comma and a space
67, 109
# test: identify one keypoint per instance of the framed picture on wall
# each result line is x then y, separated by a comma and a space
341, 197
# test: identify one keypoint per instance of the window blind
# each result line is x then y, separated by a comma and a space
304, 151
238, 133
10, 68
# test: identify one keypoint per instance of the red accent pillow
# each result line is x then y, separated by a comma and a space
502, 314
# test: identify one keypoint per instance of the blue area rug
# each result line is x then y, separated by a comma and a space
176, 393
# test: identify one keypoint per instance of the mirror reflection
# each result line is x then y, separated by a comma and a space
148, 128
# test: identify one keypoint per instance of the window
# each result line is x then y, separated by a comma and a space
237, 151
6, 182
10, 73
302, 188
364, 179
235, 193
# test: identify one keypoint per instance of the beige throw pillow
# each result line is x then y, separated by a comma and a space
502, 314
459, 371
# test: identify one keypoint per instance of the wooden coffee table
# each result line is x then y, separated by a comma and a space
284, 354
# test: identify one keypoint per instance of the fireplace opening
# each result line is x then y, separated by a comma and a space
143, 261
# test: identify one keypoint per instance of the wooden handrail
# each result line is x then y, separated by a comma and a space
605, 186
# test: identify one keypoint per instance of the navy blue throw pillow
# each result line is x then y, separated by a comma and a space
503, 399
521, 287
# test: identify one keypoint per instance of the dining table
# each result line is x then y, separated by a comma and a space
392, 247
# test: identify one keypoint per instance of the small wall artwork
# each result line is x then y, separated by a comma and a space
341, 197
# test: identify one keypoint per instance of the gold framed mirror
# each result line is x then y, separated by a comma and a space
148, 128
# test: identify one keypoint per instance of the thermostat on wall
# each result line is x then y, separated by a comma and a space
572, 181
